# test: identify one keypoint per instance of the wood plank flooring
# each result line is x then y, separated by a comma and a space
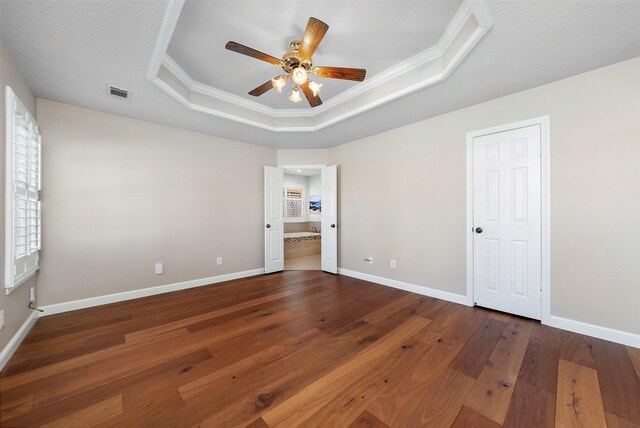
302, 263
306, 348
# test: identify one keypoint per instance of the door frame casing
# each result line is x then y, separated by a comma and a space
545, 208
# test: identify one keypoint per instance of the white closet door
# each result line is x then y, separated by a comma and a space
507, 221
329, 208
273, 221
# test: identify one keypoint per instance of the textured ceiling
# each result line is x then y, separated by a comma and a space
69, 50
204, 27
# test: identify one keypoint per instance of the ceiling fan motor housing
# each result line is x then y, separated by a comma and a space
290, 60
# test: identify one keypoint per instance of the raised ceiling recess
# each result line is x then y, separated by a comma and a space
405, 47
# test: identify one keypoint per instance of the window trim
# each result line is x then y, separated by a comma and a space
11, 281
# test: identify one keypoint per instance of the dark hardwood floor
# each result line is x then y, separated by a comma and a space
305, 348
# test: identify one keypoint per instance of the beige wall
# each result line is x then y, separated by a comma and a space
303, 157
14, 304
404, 196
120, 195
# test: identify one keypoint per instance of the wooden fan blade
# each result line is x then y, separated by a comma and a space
311, 38
314, 100
245, 50
357, 74
262, 89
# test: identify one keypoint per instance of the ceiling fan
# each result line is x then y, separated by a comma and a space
298, 65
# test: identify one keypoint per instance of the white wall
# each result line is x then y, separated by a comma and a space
121, 194
14, 304
314, 185
402, 195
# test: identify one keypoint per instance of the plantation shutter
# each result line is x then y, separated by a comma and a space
294, 193
22, 222
294, 201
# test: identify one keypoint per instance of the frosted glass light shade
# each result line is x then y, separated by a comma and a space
278, 83
295, 96
299, 75
315, 87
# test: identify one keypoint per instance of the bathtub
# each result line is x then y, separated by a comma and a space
308, 235
301, 244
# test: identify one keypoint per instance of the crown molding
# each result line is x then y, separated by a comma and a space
169, 22
470, 23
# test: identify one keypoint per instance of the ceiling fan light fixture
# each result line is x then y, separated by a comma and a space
315, 87
297, 63
299, 75
278, 83
295, 96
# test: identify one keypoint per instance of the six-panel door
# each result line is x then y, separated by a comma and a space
507, 221
273, 220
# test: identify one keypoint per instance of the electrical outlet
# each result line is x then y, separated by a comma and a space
159, 268
32, 295
219, 261
1, 319
392, 263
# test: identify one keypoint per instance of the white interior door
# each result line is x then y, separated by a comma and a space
273, 221
329, 179
507, 221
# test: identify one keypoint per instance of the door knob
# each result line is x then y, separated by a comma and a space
478, 230
333, 226
268, 226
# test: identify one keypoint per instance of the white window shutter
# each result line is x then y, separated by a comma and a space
22, 218
294, 199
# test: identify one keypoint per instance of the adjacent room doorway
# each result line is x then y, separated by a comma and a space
508, 218
300, 219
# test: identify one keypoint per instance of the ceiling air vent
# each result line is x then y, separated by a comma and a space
117, 92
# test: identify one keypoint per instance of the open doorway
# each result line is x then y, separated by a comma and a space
305, 205
302, 209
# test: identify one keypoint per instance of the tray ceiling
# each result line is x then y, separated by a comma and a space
203, 28
438, 36
69, 51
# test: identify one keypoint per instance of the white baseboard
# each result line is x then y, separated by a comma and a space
617, 336
58, 308
606, 333
17, 339
413, 288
